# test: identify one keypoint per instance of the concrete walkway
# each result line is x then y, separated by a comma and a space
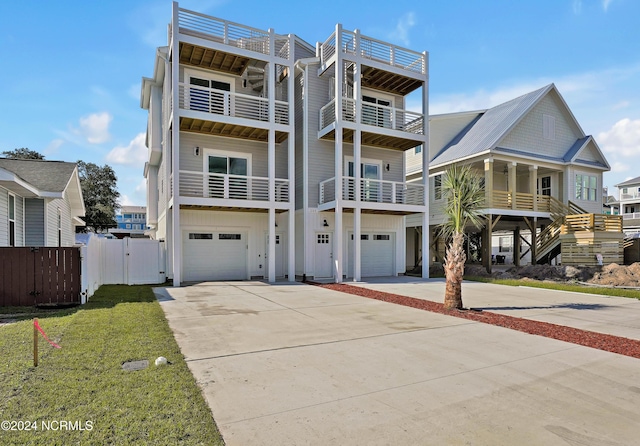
297, 365
619, 316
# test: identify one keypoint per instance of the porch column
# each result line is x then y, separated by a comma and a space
488, 182
357, 160
488, 233
271, 169
338, 169
291, 171
516, 246
533, 186
176, 233
512, 185
426, 257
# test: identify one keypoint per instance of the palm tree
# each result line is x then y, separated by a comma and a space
464, 193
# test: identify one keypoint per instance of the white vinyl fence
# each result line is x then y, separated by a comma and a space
127, 261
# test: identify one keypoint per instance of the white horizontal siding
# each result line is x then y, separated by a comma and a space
51, 221
4, 217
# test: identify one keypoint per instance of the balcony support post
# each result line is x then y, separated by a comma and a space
512, 185
338, 167
271, 169
176, 231
488, 182
516, 246
426, 258
533, 186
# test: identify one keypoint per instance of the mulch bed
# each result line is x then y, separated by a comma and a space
601, 341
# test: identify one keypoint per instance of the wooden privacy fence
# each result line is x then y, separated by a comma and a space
39, 276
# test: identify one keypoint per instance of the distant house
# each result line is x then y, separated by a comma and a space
542, 178
132, 222
629, 193
41, 203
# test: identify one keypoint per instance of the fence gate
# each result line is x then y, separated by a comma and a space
39, 276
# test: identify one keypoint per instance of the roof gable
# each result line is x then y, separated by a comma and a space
46, 176
586, 151
630, 182
490, 128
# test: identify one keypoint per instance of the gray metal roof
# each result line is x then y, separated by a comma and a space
485, 133
575, 148
635, 180
47, 176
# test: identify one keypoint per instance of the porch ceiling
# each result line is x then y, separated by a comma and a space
390, 82
375, 140
227, 130
210, 59
228, 209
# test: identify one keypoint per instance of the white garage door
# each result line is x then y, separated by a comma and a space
214, 255
378, 254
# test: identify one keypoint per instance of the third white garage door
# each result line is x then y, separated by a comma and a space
215, 255
378, 254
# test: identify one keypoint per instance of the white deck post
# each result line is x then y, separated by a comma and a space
533, 186
176, 232
357, 152
337, 234
426, 256
291, 172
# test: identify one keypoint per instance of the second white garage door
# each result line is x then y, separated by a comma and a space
215, 255
378, 254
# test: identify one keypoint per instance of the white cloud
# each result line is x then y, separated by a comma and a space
53, 146
403, 26
133, 153
125, 200
95, 127
618, 167
605, 4
577, 6
623, 139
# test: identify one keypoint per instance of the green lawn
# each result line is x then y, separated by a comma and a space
560, 286
84, 381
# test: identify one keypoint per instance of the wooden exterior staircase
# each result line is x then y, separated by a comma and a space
579, 235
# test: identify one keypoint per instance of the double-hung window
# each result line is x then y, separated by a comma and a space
586, 187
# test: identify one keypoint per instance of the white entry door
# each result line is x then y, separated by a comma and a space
280, 267
324, 255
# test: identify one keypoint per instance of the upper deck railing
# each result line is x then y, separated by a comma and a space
233, 34
356, 44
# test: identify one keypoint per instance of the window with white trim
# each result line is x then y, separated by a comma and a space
209, 93
12, 220
586, 187
437, 187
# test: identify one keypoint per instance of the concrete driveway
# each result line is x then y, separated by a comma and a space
294, 364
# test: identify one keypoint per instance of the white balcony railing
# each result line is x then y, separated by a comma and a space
231, 187
631, 196
374, 191
375, 115
631, 216
233, 34
220, 102
376, 50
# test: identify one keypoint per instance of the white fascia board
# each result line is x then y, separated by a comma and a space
11, 177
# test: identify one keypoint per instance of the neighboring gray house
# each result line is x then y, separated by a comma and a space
629, 204
41, 203
538, 166
253, 137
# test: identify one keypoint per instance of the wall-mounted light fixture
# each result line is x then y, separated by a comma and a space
196, 151
325, 224
506, 170
276, 224
387, 167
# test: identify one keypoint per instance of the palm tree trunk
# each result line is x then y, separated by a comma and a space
454, 271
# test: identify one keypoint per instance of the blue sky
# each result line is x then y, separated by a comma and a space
70, 71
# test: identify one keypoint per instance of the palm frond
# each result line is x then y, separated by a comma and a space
464, 194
